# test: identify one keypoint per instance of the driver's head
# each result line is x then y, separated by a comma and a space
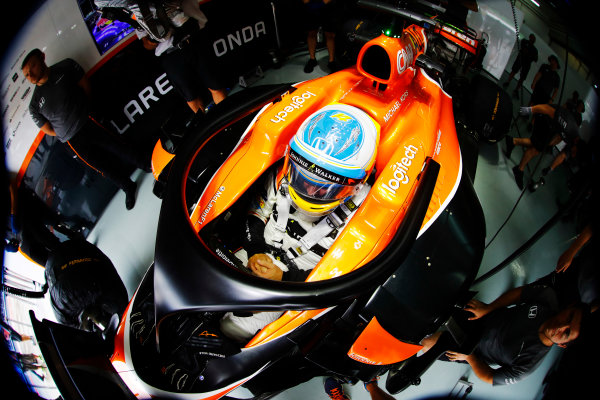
34, 67
330, 156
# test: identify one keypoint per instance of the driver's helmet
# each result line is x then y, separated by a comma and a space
329, 158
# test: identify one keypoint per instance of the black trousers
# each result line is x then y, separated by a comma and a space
106, 153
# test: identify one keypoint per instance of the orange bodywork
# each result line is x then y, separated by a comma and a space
160, 159
376, 346
416, 122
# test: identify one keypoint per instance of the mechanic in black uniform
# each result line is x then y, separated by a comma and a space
174, 31
545, 82
60, 106
553, 124
528, 54
577, 107
517, 338
320, 14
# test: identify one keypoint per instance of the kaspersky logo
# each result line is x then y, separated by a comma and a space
401, 167
296, 103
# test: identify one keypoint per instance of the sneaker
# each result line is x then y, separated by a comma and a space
510, 145
310, 65
518, 176
334, 389
371, 382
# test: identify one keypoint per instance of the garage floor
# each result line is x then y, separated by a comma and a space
127, 237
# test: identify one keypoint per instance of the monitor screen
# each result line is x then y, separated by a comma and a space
106, 33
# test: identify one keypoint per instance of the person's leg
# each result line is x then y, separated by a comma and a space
559, 159
196, 105
330, 41
529, 154
525, 142
311, 40
218, 95
376, 392
110, 142
88, 149
510, 77
178, 66
511, 142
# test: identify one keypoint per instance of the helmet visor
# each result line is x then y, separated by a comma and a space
316, 189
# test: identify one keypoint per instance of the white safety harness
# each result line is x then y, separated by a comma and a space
334, 220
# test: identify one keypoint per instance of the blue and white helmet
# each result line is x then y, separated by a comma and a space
330, 155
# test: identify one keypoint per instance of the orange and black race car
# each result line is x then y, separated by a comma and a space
396, 272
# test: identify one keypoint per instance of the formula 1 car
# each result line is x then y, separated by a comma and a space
397, 272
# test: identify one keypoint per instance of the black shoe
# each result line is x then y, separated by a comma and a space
545, 171
510, 145
130, 195
518, 176
310, 65
333, 66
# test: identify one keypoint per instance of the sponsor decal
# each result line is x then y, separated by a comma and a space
320, 172
142, 103
362, 359
224, 258
395, 107
296, 103
391, 111
438, 143
25, 93
210, 204
532, 312
460, 36
401, 170
404, 58
239, 38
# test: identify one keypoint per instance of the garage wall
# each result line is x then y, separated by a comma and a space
58, 29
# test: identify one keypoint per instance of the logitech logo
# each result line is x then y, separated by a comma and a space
401, 170
296, 103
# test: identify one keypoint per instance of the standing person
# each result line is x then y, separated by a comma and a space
174, 30
320, 14
60, 106
528, 54
553, 123
515, 333
545, 83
